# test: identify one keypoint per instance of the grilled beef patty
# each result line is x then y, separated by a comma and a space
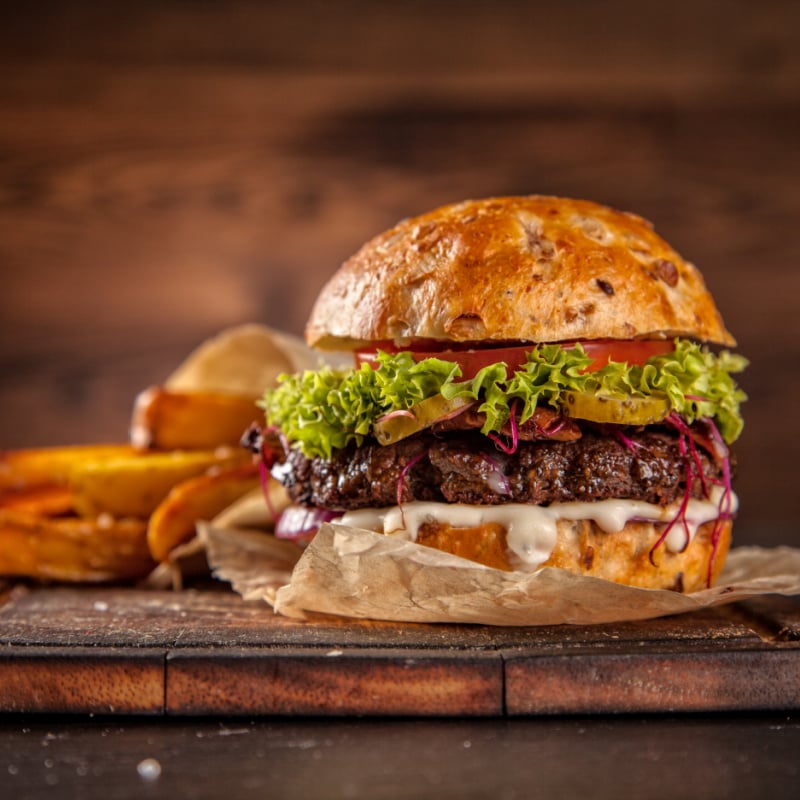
466, 467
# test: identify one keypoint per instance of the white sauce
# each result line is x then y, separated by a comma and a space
531, 530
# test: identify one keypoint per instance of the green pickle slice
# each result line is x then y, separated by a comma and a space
397, 426
616, 409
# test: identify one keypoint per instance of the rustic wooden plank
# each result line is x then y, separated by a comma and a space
703, 626
208, 652
335, 681
81, 680
776, 618
693, 680
560, 49
124, 617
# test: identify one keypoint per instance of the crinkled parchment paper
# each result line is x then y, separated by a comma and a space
356, 573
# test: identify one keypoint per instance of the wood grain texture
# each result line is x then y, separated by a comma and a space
124, 617
336, 682
207, 652
81, 680
170, 169
698, 680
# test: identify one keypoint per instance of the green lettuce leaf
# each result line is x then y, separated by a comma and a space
325, 410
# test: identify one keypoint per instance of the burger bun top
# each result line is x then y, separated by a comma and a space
515, 269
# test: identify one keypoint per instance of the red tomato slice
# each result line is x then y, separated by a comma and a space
635, 351
472, 361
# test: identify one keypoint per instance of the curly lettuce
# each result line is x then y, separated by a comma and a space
327, 409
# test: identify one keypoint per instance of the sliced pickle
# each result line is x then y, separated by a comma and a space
400, 424
617, 409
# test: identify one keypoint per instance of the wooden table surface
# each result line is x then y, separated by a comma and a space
168, 169
206, 652
114, 693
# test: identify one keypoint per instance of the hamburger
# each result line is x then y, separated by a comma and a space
536, 381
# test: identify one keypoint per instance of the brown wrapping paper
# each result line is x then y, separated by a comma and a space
356, 573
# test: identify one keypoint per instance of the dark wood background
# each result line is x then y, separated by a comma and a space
171, 168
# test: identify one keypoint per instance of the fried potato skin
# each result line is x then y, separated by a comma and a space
72, 549
172, 420
47, 466
133, 487
41, 501
80, 513
199, 498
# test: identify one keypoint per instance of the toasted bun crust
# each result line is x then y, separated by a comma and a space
532, 269
584, 548
624, 557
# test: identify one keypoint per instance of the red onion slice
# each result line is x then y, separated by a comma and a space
300, 524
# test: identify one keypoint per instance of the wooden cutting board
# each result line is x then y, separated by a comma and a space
205, 651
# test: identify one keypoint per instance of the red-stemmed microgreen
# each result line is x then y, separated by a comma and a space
512, 420
694, 472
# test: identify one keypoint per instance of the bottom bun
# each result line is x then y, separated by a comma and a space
584, 548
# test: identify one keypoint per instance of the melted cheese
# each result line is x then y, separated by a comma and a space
531, 531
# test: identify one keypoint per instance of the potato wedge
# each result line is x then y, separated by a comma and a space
73, 549
41, 501
200, 498
134, 486
46, 466
167, 420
